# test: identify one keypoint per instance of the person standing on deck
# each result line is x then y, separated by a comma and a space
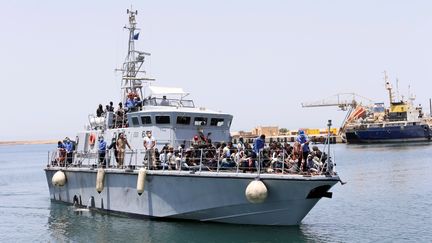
61, 154
259, 144
304, 142
99, 111
119, 116
164, 101
121, 148
149, 144
111, 107
69, 150
258, 147
113, 146
102, 151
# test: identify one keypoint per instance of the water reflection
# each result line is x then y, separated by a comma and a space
387, 197
387, 146
65, 223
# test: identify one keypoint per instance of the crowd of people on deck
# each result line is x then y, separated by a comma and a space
65, 150
271, 157
133, 103
203, 154
119, 118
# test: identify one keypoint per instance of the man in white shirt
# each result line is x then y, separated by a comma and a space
149, 144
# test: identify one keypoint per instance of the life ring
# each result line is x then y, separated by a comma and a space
92, 139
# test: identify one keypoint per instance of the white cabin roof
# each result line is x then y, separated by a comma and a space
158, 90
197, 110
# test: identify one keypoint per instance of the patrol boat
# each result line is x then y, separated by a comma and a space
201, 192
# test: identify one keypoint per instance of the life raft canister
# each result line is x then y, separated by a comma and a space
92, 139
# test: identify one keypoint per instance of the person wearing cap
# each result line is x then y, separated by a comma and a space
195, 141
304, 142
149, 144
102, 151
69, 150
311, 165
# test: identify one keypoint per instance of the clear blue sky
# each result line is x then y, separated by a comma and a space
257, 60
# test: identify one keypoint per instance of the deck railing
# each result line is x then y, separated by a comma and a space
278, 161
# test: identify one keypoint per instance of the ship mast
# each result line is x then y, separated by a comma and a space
388, 87
132, 75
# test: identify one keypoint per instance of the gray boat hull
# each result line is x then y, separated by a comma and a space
202, 196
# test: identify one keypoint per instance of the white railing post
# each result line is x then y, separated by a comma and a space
181, 162
201, 158
237, 161
283, 161
136, 158
218, 159
165, 161
259, 163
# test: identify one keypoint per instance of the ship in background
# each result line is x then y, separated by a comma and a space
402, 121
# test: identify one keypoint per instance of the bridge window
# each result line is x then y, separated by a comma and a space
200, 121
183, 120
145, 120
135, 121
217, 122
163, 120
229, 123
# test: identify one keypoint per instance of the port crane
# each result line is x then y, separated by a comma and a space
341, 100
345, 101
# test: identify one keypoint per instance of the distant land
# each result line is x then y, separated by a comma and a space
27, 142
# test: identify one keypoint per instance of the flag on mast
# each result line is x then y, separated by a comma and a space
136, 36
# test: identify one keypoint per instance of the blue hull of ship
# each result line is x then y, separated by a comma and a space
407, 133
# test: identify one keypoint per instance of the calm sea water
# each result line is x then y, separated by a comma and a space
388, 198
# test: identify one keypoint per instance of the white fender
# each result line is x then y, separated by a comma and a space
256, 192
140, 181
59, 178
100, 180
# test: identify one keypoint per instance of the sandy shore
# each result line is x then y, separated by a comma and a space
27, 142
